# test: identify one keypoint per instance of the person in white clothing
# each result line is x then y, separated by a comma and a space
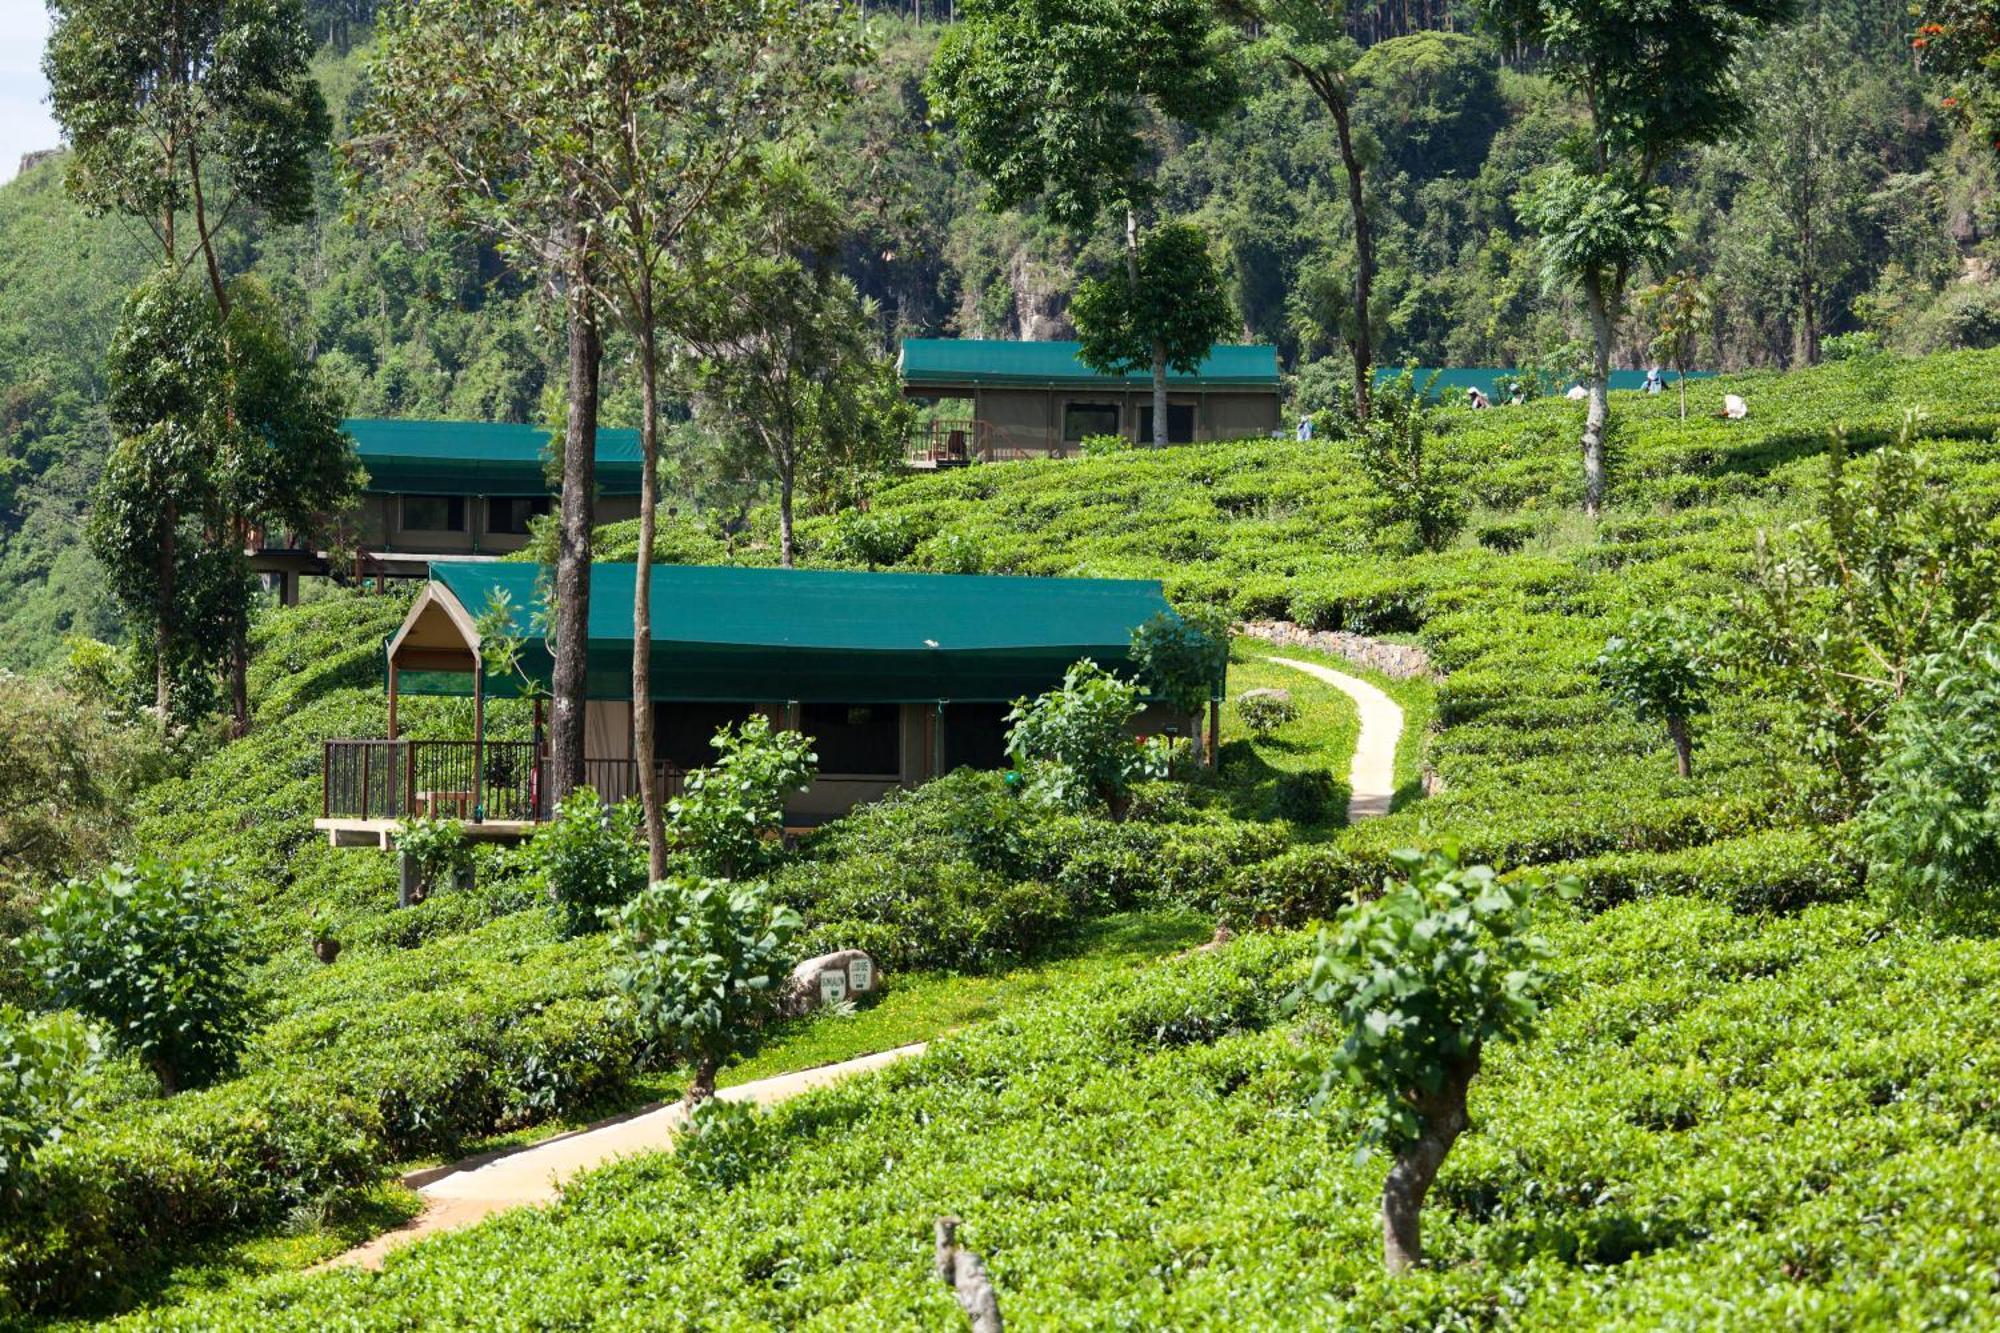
1577, 393
1734, 408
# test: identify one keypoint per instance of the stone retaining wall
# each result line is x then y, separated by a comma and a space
1400, 661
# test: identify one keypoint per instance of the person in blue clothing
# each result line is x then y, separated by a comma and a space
1654, 384
1305, 428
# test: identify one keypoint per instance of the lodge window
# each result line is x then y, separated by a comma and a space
682, 731
855, 740
1180, 424
510, 514
1085, 419
975, 736
434, 513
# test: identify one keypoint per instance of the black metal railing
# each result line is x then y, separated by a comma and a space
380, 779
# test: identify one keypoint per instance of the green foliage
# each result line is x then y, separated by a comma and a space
1660, 664
1396, 456
1176, 308
1506, 535
67, 767
591, 856
436, 843
1075, 742
872, 539
1305, 797
727, 820
152, 951
701, 961
1182, 658
1931, 825
1075, 156
43, 1060
1103, 446
1893, 568
1264, 711
1421, 979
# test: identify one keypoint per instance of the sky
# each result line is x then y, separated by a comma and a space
25, 122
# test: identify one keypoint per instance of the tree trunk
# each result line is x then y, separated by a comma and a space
785, 486
1677, 727
1599, 410
642, 597
1159, 394
702, 1086
1444, 1119
1681, 387
1362, 344
579, 503
163, 624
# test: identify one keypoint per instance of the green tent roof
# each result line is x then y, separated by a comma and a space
725, 633
949, 362
479, 457
1452, 383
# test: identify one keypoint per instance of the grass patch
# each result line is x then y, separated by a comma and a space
1417, 697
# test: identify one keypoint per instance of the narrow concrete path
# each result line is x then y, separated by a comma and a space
1371, 782
461, 1195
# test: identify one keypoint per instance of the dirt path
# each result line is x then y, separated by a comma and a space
1372, 780
460, 1195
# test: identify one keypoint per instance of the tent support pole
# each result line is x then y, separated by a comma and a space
479, 743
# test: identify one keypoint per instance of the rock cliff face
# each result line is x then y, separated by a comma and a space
1401, 661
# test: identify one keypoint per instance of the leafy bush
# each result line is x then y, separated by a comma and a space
1396, 455
701, 961
1264, 711
871, 539
1659, 665
1775, 870
1931, 826
1506, 535
1305, 797
1075, 742
591, 856
151, 950
726, 820
953, 553
436, 846
1104, 446
1182, 658
42, 1060
1422, 979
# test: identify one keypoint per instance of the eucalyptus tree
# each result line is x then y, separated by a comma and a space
783, 344
1055, 102
187, 115
625, 130
1311, 40
1654, 77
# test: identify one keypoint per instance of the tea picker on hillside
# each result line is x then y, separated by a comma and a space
1734, 408
1654, 384
1475, 399
1305, 427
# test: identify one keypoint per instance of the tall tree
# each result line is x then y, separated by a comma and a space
627, 129
1163, 311
1655, 77
197, 112
1310, 38
785, 354
1804, 153
1054, 101
472, 152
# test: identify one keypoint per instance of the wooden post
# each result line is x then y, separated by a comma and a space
394, 674
479, 743
1214, 731
538, 767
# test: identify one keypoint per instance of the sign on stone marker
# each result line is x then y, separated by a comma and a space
829, 979
832, 986
861, 974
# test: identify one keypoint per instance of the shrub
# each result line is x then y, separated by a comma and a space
152, 951
435, 846
591, 856
1075, 741
1507, 535
1421, 979
1396, 456
1931, 827
1103, 446
1264, 711
728, 816
1182, 658
42, 1061
701, 962
954, 553
872, 539
1305, 797
1659, 665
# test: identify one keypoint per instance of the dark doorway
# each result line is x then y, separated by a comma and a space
1180, 423
975, 736
682, 731
855, 740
